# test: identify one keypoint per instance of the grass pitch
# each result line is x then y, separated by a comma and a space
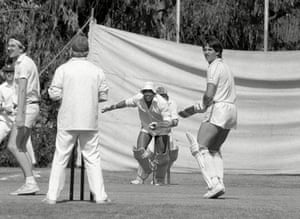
247, 196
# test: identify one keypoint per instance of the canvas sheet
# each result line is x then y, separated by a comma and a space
267, 140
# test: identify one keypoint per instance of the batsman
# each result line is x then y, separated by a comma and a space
156, 121
220, 117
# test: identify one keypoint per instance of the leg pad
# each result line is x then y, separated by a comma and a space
144, 162
162, 161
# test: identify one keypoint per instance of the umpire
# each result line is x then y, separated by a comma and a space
80, 85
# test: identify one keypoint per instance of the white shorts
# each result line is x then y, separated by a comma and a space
222, 114
32, 112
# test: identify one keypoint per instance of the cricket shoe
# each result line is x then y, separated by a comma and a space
137, 181
27, 189
49, 201
103, 202
215, 192
156, 183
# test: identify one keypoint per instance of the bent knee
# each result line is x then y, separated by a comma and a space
12, 147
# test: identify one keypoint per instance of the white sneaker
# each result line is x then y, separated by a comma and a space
27, 189
137, 181
215, 192
48, 201
106, 201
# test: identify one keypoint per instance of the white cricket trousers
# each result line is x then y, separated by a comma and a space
89, 145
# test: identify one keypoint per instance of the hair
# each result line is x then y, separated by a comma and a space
215, 44
20, 37
79, 54
80, 46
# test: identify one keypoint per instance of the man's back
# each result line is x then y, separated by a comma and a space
80, 82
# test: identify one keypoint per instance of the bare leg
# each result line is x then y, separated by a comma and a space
30, 151
16, 144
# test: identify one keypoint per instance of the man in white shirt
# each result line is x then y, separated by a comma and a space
80, 86
220, 117
28, 97
155, 120
173, 149
8, 104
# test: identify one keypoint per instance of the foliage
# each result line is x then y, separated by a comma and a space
239, 24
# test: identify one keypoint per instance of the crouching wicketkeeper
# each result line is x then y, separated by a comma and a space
157, 118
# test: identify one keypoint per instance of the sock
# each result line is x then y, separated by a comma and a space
30, 180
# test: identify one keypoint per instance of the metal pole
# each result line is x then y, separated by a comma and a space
154, 164
266, 26
81, 177
169, 167
92, 14
178, 21
72, 166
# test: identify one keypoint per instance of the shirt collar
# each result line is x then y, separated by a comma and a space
78, 58
216, 60
21, 57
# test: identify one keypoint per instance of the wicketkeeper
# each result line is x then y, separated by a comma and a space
80, 85
156, 121
173, 149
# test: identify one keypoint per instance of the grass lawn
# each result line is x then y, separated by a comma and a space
247, 196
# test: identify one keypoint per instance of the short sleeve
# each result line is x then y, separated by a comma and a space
55, 89
57, 80
133, 101
22, 70
103, 87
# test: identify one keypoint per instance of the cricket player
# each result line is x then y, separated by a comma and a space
28, 98
218, 103
80, 86
173, 149
8, 105
156, 121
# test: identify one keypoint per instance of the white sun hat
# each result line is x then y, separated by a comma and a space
148, 86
